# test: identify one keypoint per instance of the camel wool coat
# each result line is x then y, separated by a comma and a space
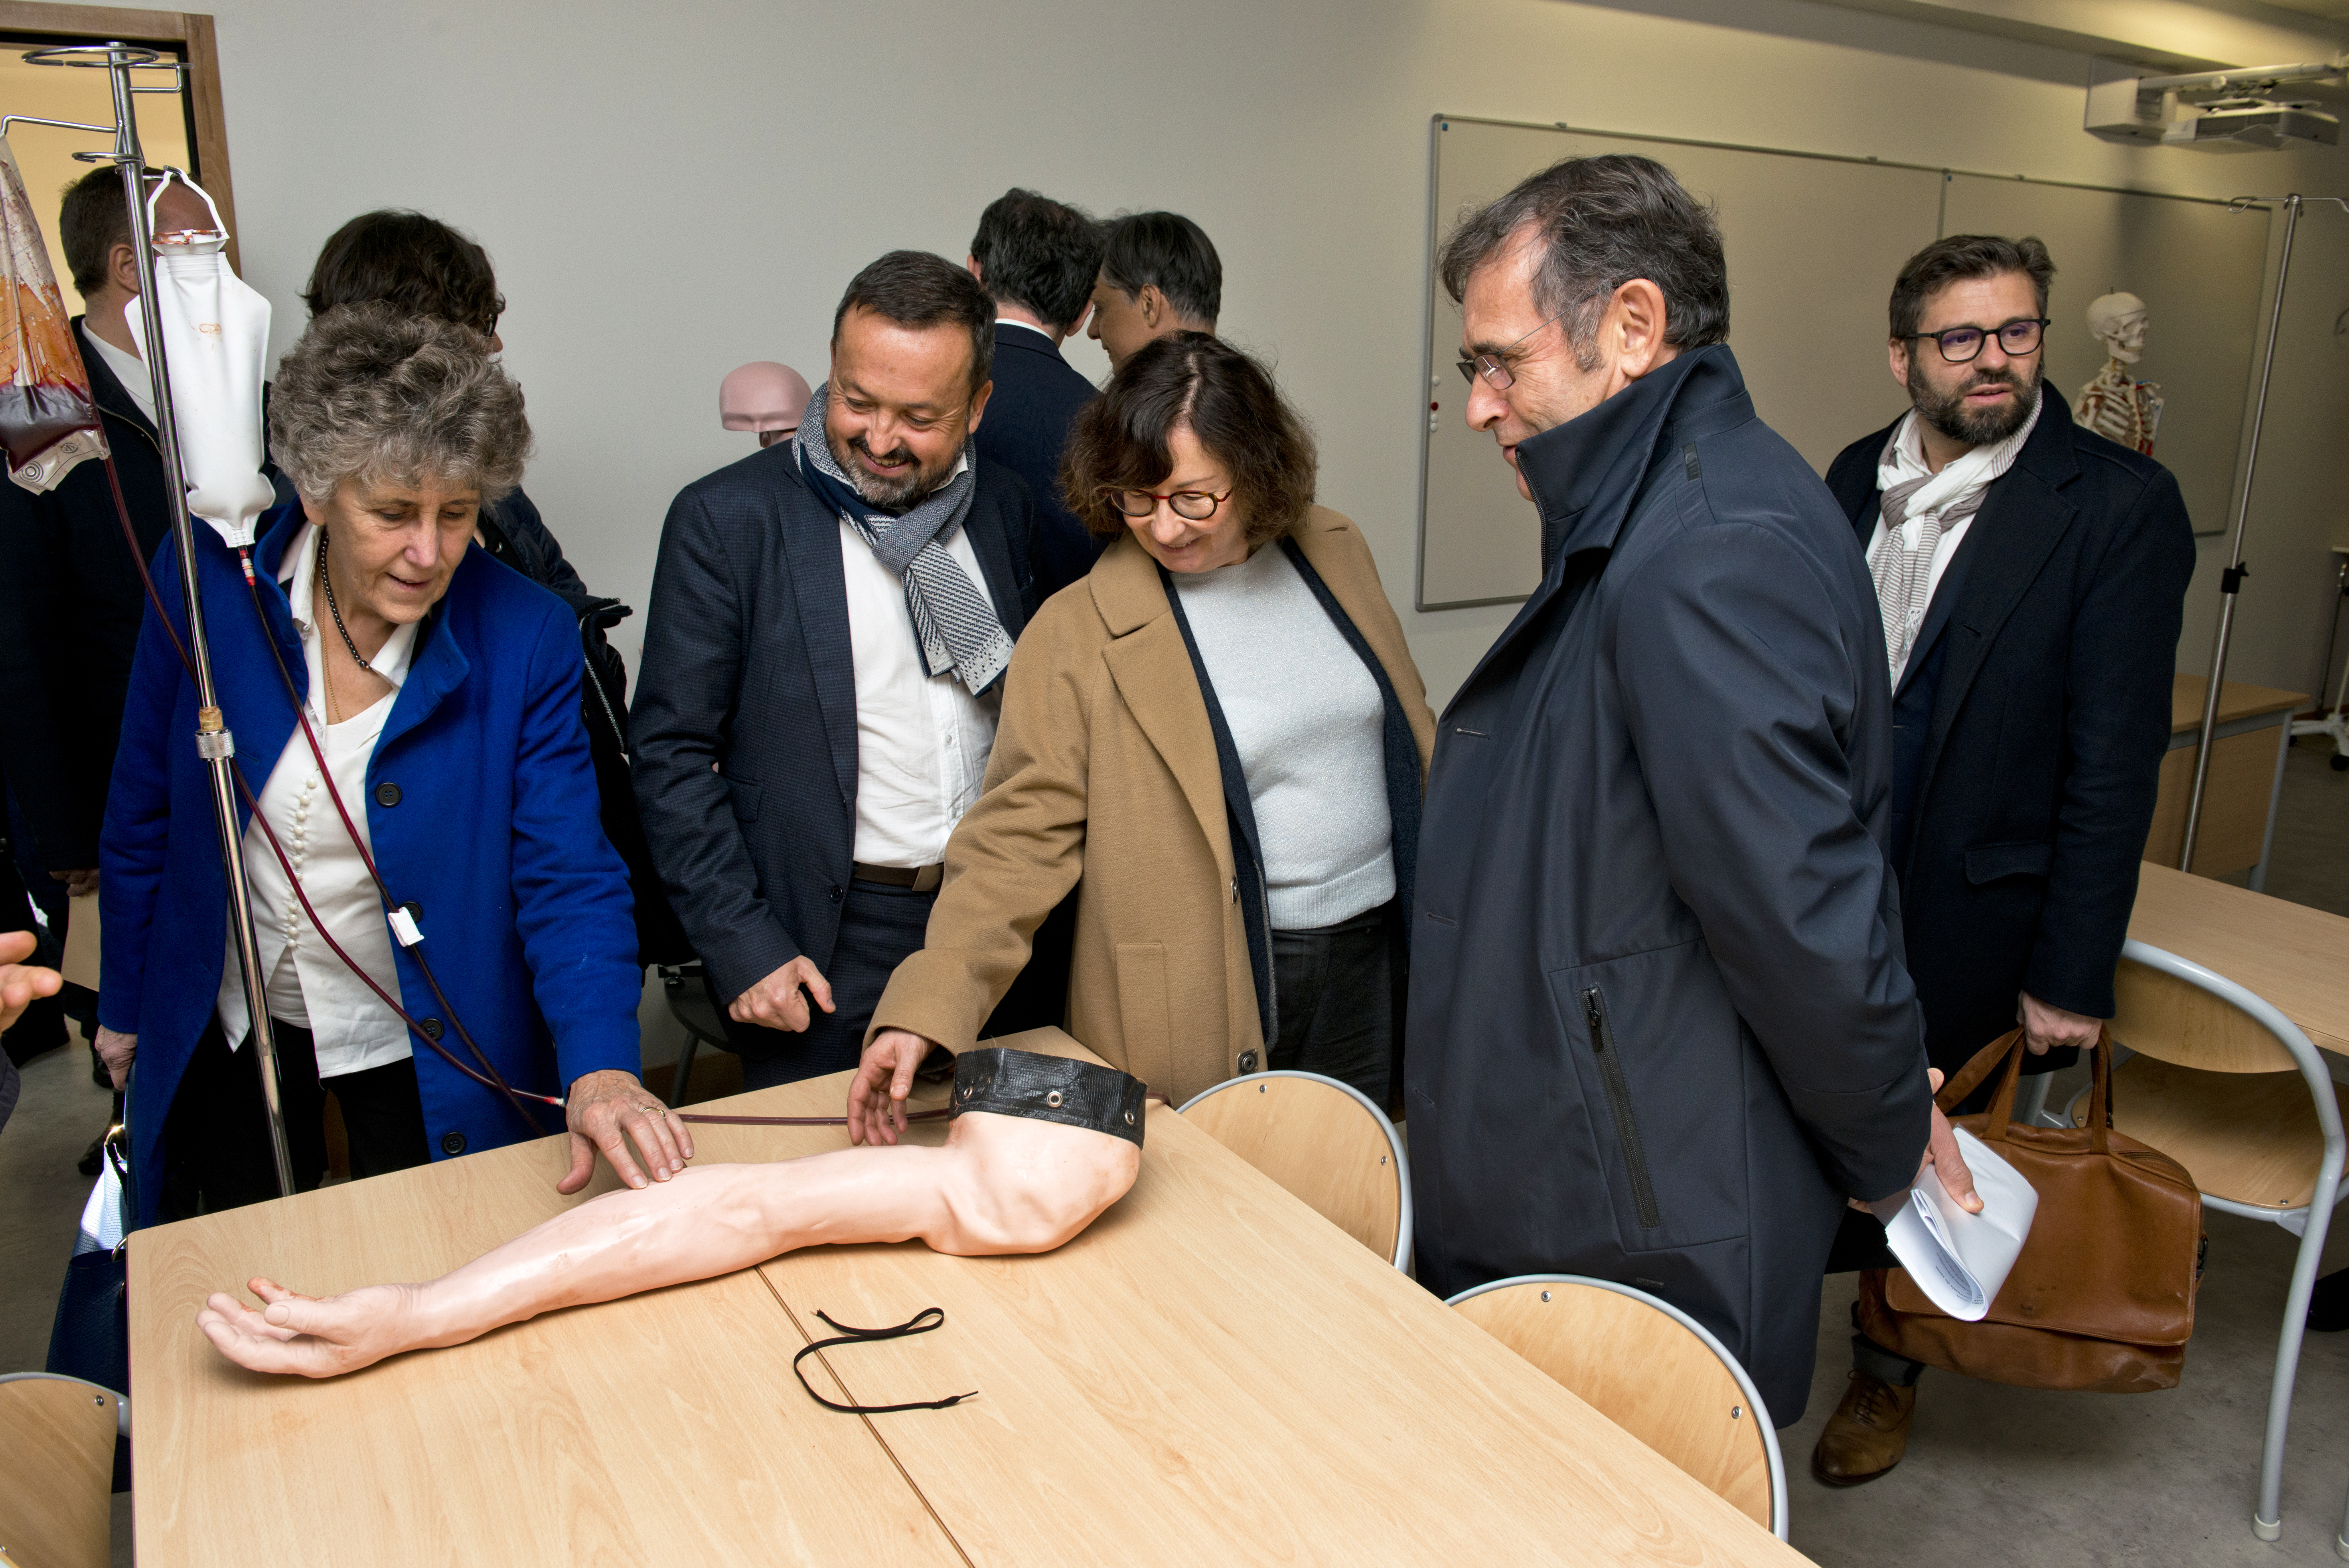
1105, 769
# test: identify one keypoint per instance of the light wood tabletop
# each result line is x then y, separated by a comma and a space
2296, 956
1212, 1373
2237, 700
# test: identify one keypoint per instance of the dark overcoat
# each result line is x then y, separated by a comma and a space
2029, 727
1659, 1025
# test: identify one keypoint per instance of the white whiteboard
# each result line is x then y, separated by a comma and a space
1814, 244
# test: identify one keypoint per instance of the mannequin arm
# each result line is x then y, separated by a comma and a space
1002, 1184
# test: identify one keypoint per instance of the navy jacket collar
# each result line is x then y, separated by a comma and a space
1020, 334
105, 388
1586, 473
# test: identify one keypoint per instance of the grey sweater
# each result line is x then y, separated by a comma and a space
1306, 719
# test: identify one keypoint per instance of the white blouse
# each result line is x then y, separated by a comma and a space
306, 983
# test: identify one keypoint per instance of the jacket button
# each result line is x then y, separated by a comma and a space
1236, 890
452, 1143
835, 894
387, 794
1247, 1061
431, 1027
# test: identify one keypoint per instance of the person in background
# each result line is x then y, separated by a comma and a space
1218, 741
1159, 275
1659, 1030
765, 396
1037, 260
420, 265
439, 708
70, 598
2030, 576
823, 667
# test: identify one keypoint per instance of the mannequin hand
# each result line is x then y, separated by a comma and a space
22, 983
876, 1097
116, 1050
2045, 1027
605, 1104
312, 1336
776, 1002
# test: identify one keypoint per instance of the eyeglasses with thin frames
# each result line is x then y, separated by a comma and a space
1960, 345
1191, 505
1494, 368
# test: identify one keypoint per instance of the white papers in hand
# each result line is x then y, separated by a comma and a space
1959, 1259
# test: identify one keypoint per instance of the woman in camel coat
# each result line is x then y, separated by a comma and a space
1217, 739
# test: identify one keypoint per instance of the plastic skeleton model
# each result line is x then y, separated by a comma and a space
765, 396
1039, 1147
2113, 405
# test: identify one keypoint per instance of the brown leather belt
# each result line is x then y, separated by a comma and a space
920, 878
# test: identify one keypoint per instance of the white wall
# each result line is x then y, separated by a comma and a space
669, 191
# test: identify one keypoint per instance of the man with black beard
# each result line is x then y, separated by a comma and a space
823, 661
2030, 575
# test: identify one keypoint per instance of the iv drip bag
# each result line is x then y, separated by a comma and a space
215, 332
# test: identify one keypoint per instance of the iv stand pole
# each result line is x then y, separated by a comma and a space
2230, 581
214, 743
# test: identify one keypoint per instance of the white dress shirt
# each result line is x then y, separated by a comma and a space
306, 983
128, 368
922, 741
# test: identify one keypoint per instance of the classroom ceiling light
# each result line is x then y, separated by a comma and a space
2263, 109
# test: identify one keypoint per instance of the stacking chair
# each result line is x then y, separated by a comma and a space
1322, 1140
1650, 1368
56, 1469
2219, 1080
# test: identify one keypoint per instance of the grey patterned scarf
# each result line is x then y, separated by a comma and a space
955, 623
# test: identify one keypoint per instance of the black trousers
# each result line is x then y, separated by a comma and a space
216, 1136
880, 926
1334, 988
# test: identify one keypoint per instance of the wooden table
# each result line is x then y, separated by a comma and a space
1211, 1374
2245, 775
2295, 957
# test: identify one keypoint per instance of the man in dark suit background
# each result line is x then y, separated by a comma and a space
70, 598
831, 619
2030, 575
1036, 259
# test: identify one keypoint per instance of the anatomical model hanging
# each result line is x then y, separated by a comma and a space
2115, 405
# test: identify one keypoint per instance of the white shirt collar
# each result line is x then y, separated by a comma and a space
128, 368
298, 571
1025, 326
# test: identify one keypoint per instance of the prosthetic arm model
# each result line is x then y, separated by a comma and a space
1039, 1148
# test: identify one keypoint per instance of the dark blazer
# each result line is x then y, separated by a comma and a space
2029, 726
71, 607
481, 805
1659, 1027
745, 719
1037, 395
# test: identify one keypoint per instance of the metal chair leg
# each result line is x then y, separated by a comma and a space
2267, 1519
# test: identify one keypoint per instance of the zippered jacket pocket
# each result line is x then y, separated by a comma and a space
1604, 1048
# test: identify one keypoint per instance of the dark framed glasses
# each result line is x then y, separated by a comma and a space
1959, 344
1191, 505
1494, 368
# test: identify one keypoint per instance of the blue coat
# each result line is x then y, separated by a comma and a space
1659, 1024
481, 806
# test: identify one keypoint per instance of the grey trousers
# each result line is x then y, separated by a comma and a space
1335, 991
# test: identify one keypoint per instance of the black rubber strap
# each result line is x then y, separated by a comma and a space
1049, 1089
848, 1335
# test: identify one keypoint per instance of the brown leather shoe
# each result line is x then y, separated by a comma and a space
1868, 1433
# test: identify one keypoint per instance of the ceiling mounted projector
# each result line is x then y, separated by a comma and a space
2263, 109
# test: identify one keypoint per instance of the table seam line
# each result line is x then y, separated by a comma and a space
911, 1485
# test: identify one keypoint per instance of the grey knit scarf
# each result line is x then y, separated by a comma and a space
955, 623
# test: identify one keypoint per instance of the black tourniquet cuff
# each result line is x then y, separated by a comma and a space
1049, 1089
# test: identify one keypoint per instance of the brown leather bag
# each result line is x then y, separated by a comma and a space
2101, 1299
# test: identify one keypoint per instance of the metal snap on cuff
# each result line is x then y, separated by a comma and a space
1129, 1118
1053, 1099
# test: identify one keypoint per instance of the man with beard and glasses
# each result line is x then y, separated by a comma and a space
823, 661
2031, 574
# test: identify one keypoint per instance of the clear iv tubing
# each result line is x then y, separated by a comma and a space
494, 1080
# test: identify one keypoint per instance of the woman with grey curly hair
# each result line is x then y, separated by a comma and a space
407, 717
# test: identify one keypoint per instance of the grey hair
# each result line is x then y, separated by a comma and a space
372, 393
1601, 223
